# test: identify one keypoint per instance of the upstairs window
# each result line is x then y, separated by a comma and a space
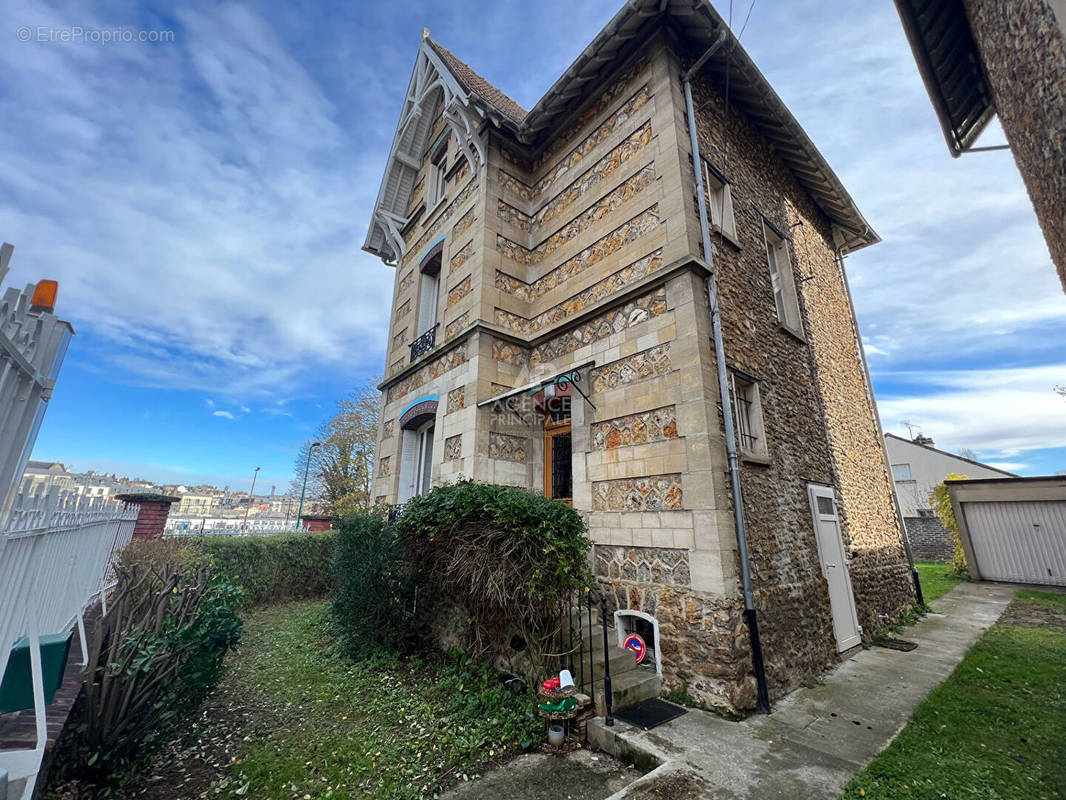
437, 183
719, 203
782, 280
747, 412
901, 472
429, 294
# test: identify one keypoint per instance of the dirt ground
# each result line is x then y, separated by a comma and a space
1022, 613
581, 775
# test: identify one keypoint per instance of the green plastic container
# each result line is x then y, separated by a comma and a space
16, 690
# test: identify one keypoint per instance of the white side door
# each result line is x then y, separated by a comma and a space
834, 566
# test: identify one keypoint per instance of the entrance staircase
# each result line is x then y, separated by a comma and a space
630, 682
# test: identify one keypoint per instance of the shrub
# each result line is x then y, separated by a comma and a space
274, 568
508, 556
154, 656
373, 599
942, 506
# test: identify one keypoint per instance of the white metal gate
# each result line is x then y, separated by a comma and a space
1019, 542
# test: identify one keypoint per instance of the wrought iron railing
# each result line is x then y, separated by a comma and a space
423, 344
578, 649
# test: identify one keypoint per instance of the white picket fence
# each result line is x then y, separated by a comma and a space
33, 344
54, 556
228, 527
55, 562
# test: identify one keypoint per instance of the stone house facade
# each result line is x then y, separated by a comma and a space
551, 330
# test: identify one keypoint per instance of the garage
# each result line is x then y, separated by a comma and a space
1013, 529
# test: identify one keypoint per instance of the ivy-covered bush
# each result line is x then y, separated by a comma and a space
942, 507
373, 597
152, 658
274, 568
508, 557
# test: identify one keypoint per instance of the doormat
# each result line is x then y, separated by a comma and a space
650, 713
894, 644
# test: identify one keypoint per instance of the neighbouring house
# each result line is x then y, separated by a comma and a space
981, 59
917, 467
551, 330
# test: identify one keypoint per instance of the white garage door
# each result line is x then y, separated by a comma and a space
1020, 542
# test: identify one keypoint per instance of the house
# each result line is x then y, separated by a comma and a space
984, 59
551, 330
917, 467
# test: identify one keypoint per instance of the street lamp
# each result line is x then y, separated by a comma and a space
303, 491
251, 497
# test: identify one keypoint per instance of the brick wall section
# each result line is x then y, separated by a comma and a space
152, 513
1023, 50
930, 541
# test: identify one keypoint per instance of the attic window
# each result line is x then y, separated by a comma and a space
437, 183
719, 198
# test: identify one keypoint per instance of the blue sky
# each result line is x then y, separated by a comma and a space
202, 203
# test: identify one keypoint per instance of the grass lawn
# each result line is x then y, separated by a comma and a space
995, 729
294, 718
937, 578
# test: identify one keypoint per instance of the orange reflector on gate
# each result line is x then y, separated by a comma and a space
44, 296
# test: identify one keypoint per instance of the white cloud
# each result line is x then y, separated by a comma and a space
193, 199
1007, 466
1002, 412
223, 414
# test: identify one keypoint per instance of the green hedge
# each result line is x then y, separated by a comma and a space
273, 568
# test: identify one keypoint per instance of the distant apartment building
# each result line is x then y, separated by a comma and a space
194, 505
40, 477
986, 58
551, 330
917, 467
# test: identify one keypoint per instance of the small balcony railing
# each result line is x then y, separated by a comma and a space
423, 344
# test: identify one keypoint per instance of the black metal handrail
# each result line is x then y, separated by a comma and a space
579, 604
423, 344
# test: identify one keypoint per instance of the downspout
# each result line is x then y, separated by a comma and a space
880, 432
723, 389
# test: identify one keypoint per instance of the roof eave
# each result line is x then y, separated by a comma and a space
862, 232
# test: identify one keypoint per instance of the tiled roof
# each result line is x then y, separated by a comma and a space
473, 82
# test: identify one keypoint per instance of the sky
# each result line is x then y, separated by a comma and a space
202, 201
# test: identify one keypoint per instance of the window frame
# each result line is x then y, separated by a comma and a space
563, 426
719, 195
782, 280
748, 417
910, 475
429, 276
437, 179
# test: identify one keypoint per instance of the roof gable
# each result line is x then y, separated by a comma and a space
475, 100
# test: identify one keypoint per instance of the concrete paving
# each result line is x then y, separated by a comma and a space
817, 738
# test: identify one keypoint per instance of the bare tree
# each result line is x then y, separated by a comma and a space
967, 452
342, 467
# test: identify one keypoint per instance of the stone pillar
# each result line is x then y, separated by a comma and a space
316, 522
152, 513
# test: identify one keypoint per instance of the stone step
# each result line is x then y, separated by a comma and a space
632, 687
621, 661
